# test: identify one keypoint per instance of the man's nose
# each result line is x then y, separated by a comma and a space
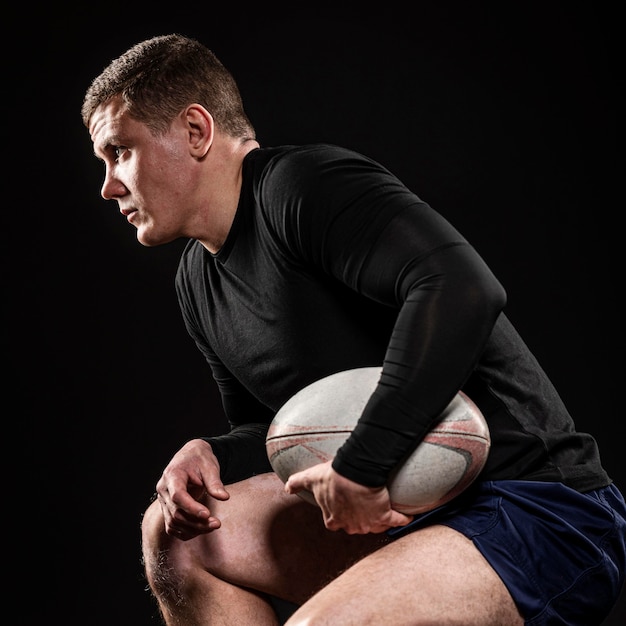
112, 188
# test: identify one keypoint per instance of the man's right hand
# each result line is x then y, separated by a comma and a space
185, 489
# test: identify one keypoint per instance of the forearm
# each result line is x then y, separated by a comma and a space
450, 304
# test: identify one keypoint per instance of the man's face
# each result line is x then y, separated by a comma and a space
148, 175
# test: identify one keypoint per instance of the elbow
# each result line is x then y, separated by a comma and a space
485, 295
496, 297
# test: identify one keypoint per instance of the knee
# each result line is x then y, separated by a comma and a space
161, 563
152, 528
155, 543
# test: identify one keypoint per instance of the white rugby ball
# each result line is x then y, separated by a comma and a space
311, 426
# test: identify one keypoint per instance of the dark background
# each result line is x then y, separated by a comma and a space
505, 119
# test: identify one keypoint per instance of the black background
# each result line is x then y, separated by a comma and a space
506, 119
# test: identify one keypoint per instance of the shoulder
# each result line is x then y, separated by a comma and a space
315, 173
307, 161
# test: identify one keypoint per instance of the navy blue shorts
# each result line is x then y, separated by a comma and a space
560, 553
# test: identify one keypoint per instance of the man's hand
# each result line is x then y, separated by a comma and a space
184, 490
345, 504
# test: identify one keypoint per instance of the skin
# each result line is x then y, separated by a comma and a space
184, 183
213, 554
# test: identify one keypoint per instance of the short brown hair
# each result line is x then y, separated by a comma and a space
157, 78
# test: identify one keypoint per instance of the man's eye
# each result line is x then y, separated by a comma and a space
118, 151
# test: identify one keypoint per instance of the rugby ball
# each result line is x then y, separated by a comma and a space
312, 425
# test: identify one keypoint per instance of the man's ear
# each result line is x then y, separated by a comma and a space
200, 127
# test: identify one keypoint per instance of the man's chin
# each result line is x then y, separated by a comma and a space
151, 241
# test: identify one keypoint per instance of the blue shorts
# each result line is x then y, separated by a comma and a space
560, 553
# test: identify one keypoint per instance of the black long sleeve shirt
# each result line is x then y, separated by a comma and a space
332, 264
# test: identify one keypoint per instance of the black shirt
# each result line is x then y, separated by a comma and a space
332, 264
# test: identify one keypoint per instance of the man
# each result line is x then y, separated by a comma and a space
307, 260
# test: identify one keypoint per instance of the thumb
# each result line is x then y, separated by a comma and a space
215, 488
400, 519
295, 483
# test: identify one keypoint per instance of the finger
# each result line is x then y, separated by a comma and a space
297, 482
182, 503
215, 488
182, 509
184, 533
292, 487
399, 519
190, 525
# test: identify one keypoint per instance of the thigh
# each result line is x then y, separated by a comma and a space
274, 542
431, 576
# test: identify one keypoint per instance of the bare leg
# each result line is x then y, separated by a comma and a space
269, 543
432, 576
